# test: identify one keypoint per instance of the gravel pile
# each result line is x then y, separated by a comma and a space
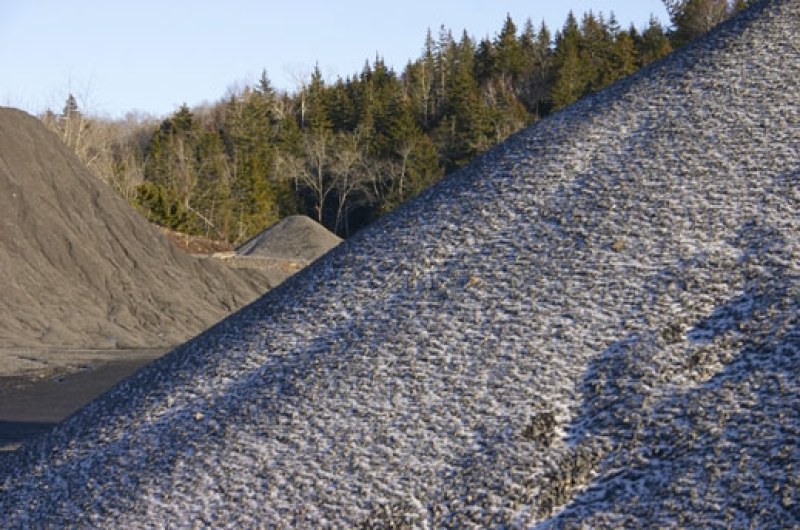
80, 269
595, 324
296, 237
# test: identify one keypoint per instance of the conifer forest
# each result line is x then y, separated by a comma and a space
346, 151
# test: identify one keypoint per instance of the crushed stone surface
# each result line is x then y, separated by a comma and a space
594, 325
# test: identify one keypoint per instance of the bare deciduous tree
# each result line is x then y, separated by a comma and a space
350, 176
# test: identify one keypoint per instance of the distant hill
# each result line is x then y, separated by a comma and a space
594, 325
79, 268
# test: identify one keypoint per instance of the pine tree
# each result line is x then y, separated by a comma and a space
316, 106
530, 54
464, 130
485, 61
538, 85
623, 60
653, 43
443, 63
509, 55
570, 75
347, 151
250, 129
693, 18
70, 107
595, 51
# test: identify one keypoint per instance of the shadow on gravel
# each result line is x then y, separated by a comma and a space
12, 432
666, 415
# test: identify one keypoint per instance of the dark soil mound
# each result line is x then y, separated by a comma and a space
294, 238
79, 268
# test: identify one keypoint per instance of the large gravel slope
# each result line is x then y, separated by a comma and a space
596, 325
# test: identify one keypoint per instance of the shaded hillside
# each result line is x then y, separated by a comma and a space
79, 268
594, 324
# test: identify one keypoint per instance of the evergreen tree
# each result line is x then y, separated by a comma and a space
692, 18
344, 112
444, 58
315, 111
346, 152
595, 51
653, 43
70, 107
422, 79
463, 131
252, 192
265, 87
623, 59
528, 43
537, 86
485, 61
510, 59
570, 75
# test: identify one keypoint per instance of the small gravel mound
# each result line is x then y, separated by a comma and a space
297, 237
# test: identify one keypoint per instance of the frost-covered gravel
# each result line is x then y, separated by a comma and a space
595, 325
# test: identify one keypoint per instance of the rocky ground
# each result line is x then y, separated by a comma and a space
595, 325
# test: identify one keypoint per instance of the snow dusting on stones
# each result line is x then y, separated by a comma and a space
594, 325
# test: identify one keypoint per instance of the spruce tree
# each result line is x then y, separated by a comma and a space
623, 59
692, 18
509, 55
70, 107
569, 81
653, 43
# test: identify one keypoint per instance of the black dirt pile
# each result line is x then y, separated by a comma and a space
80, 269
296, 237
596, 325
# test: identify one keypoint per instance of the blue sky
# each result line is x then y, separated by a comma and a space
152, 55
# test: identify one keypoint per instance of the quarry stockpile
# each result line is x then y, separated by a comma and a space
79, 268
284, 248
594, 325
296, 237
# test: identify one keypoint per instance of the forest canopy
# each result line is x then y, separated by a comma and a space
346, 151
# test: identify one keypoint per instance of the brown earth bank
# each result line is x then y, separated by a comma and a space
196, 244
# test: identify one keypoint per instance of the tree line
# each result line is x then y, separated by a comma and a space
347, 151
